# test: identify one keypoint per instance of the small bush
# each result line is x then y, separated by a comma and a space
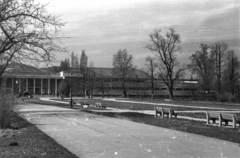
227, 97
64, 88
6, 109
224, 97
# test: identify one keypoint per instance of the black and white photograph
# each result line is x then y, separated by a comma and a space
119, 78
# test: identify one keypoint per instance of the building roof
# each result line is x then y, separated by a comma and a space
18, 68
99, 71
23, 70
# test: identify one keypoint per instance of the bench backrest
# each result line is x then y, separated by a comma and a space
158, 109
166, 110
227, 116
213, 114
237, 118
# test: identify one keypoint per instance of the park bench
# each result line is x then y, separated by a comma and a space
100, 106
164, 111
83, 103
222, 117
73, 102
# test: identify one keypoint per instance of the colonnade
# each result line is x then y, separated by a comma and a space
35, 86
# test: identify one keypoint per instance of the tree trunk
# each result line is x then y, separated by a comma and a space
233, 89
124, 93
0, 82
152, 86
170, 90
103, 93
124, 88
152, 96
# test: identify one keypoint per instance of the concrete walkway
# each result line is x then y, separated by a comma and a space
95, 136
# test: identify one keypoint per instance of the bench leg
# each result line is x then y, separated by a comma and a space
226, 123
207, 120
234, 123
220, 121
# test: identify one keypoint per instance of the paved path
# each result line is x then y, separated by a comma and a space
94, 136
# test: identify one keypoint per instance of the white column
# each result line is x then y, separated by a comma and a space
56, 88
34, 82
27, 84
41, 85
48, 86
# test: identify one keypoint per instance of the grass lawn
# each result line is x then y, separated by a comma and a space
146, 106
142, 106
29, 142
213, 104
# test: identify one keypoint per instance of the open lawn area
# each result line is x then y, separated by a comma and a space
134, 104
184, 108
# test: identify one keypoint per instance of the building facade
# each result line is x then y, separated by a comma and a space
45, 81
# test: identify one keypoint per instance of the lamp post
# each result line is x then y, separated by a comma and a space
71, 101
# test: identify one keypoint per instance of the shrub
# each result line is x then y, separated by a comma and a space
6, 109
227, 97
224, 97
64, 88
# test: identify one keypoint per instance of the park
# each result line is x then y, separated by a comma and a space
125, 128
101, 79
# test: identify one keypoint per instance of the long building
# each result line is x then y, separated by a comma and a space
45, 81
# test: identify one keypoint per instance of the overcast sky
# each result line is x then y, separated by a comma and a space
102, 27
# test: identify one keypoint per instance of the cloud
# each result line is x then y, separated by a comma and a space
104, 29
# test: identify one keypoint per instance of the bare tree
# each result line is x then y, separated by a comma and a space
91, 78
83, 72
65, 65
74, 60
231, 72
27, 32
219, 51
103, 86
151, 67
202, 65
167, 46
123, 67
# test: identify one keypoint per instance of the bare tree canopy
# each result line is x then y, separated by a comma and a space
167, 46
74, 60
231, 72
123, 67
27, 32
65, 65
202, 64
84, 72
219, 51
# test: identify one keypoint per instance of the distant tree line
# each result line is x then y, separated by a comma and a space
217, 67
